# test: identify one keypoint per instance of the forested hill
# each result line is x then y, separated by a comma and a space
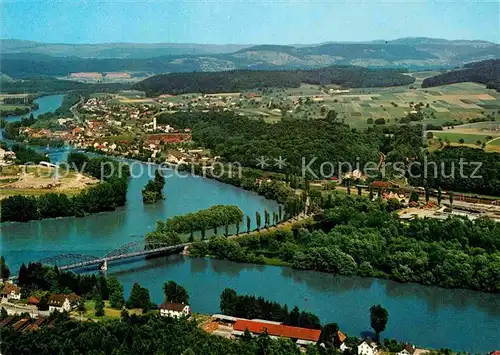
237, 80
485, 72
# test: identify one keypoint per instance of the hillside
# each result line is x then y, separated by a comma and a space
237, 80
115, 50
23, 58
485, 72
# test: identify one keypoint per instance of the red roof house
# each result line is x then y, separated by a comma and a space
34, 300
279, 330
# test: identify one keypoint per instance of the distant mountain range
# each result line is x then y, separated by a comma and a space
25, 58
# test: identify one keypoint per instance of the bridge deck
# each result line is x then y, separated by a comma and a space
124, 256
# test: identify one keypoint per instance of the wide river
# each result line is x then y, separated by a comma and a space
427, 316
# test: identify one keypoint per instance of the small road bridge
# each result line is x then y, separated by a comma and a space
134, 249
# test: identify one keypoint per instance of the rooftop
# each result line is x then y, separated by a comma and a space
277, 330
176, 307
10, 287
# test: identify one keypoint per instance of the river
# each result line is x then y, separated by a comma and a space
46, 104
100, 233
428, 316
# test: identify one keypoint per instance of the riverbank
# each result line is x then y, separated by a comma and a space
425, 315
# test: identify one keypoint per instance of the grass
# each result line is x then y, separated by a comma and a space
455, 137
276, 262
4, 193
109, 313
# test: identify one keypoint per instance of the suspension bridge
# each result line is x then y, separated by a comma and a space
130, 250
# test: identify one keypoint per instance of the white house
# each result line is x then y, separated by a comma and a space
61, 302
177, 310
407, 350
11, 291
367, 348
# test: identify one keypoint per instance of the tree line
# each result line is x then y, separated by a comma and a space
26, 155
239, 80
448, 173
106, 196
145, 334
484, 72
213, 217
251, 307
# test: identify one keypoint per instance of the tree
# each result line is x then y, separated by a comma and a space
248, 224
175, 293
451, 196
228, 301
427, 193
258, 219
266, 218
124, 315
332, 116
439, 196
280, 212
81, 307
238, 225
23, 276
329, 333
43, 305
139, 298
99, 307
3, 313
4, 269
378, 319
116, 299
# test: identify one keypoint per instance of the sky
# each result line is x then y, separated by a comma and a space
246, 21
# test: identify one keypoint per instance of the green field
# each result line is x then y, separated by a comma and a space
456, 137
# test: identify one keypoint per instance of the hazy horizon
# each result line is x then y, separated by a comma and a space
281, 22
250, 44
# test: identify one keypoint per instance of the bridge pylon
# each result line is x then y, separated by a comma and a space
104, 265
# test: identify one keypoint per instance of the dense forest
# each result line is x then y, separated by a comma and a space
485, 72
444, 170
354, 236
238, 80
36, 84
137, 335
305, 146
105, 196
239, 139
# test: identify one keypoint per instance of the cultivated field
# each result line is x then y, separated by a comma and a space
38, 180
451, 103
360, 108
485, 134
